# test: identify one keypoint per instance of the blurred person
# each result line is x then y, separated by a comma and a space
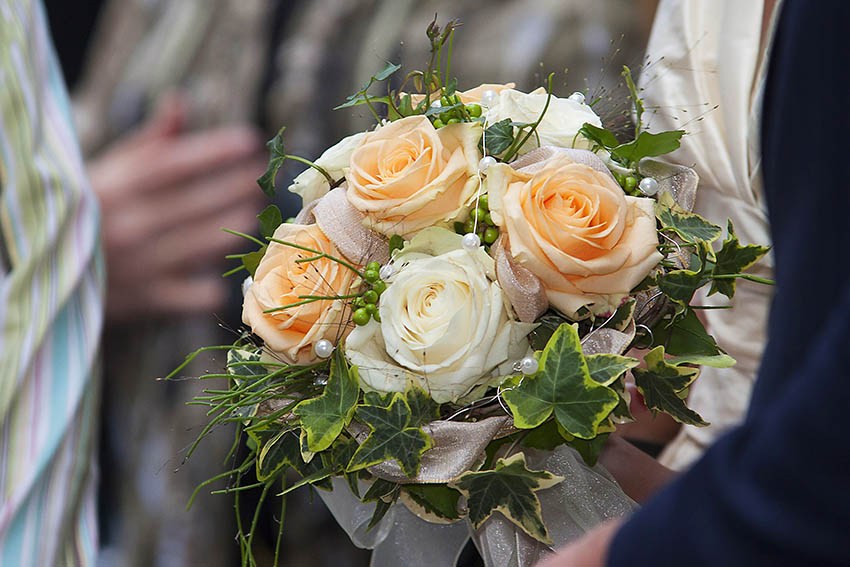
51, 309
769, 491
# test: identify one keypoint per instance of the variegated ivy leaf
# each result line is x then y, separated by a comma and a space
323, 418
690, 227
622, 316
606, 368
562, 386
277, 155
508, 488
662, 385
423, 409
686, 336
733, 259
435, 499
383, 493
392, 437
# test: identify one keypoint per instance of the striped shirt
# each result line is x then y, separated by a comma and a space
51, 308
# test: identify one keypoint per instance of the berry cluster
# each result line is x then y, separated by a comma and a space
464, 113
366, 306
481, 222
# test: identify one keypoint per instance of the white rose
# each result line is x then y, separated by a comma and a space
311, 184
445, 323
560, 124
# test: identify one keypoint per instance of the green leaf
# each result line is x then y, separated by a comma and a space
661, 383
432, 110
236, 357
606, 368
385, 73
690, 227
324, 417
276, 159
280, 450
715, 361
648, 145
545, 437
422, 408
680, 285
391, 437
622, 316
733, 259
547, 324
687, 336
497, 138
383, 493
251, 260
270, 219
589, 449
600, 136
508, 488
362, 98
562, 386
437, 499
377, 399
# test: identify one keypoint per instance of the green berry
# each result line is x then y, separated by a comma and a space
359, 302
379, 287
373, 266
621, 179
484, 202
438, 123
444, 100
469, 225
371, 276
372, 309
488, 219
630, 183
371, 297
361, 316
490, 235
474, 110
453, 121
377, 317
479, 214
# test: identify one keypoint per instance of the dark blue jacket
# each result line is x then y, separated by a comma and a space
776, 490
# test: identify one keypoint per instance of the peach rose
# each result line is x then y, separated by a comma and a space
573, 227
279, 280
407, 175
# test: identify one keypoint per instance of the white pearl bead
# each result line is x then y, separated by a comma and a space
470, 241
648, 186
529, 365
485, 163
324, 348
386, 272
246, 284
436, 104
577, 97
489, 97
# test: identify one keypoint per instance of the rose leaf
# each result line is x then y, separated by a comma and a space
270, 219
562, 386
508, 488
497, 138
437, 499
648, 145
391, 437
323, 418
663, 386
606, 368
733, 259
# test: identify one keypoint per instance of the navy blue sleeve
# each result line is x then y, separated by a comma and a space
776, 490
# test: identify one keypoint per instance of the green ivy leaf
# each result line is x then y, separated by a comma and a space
680, 285
687, 336
391, 437
277, 157
508, 488
547, 324
383, 493
251, 260
622, 316
437, 499
661, 384
606, 368
278, 451
423, 409
589, 449
324, 417
690, 227
715, 360
562, 386
545, 437
648, 145
270, 219
600, 136
236, 357
497, 138
733, 259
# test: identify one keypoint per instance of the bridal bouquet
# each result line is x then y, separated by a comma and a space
440, 335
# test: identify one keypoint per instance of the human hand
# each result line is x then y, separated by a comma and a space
638, 474
164, 197
591, 550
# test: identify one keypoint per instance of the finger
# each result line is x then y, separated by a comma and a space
167, 120
159, 166
131, 222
